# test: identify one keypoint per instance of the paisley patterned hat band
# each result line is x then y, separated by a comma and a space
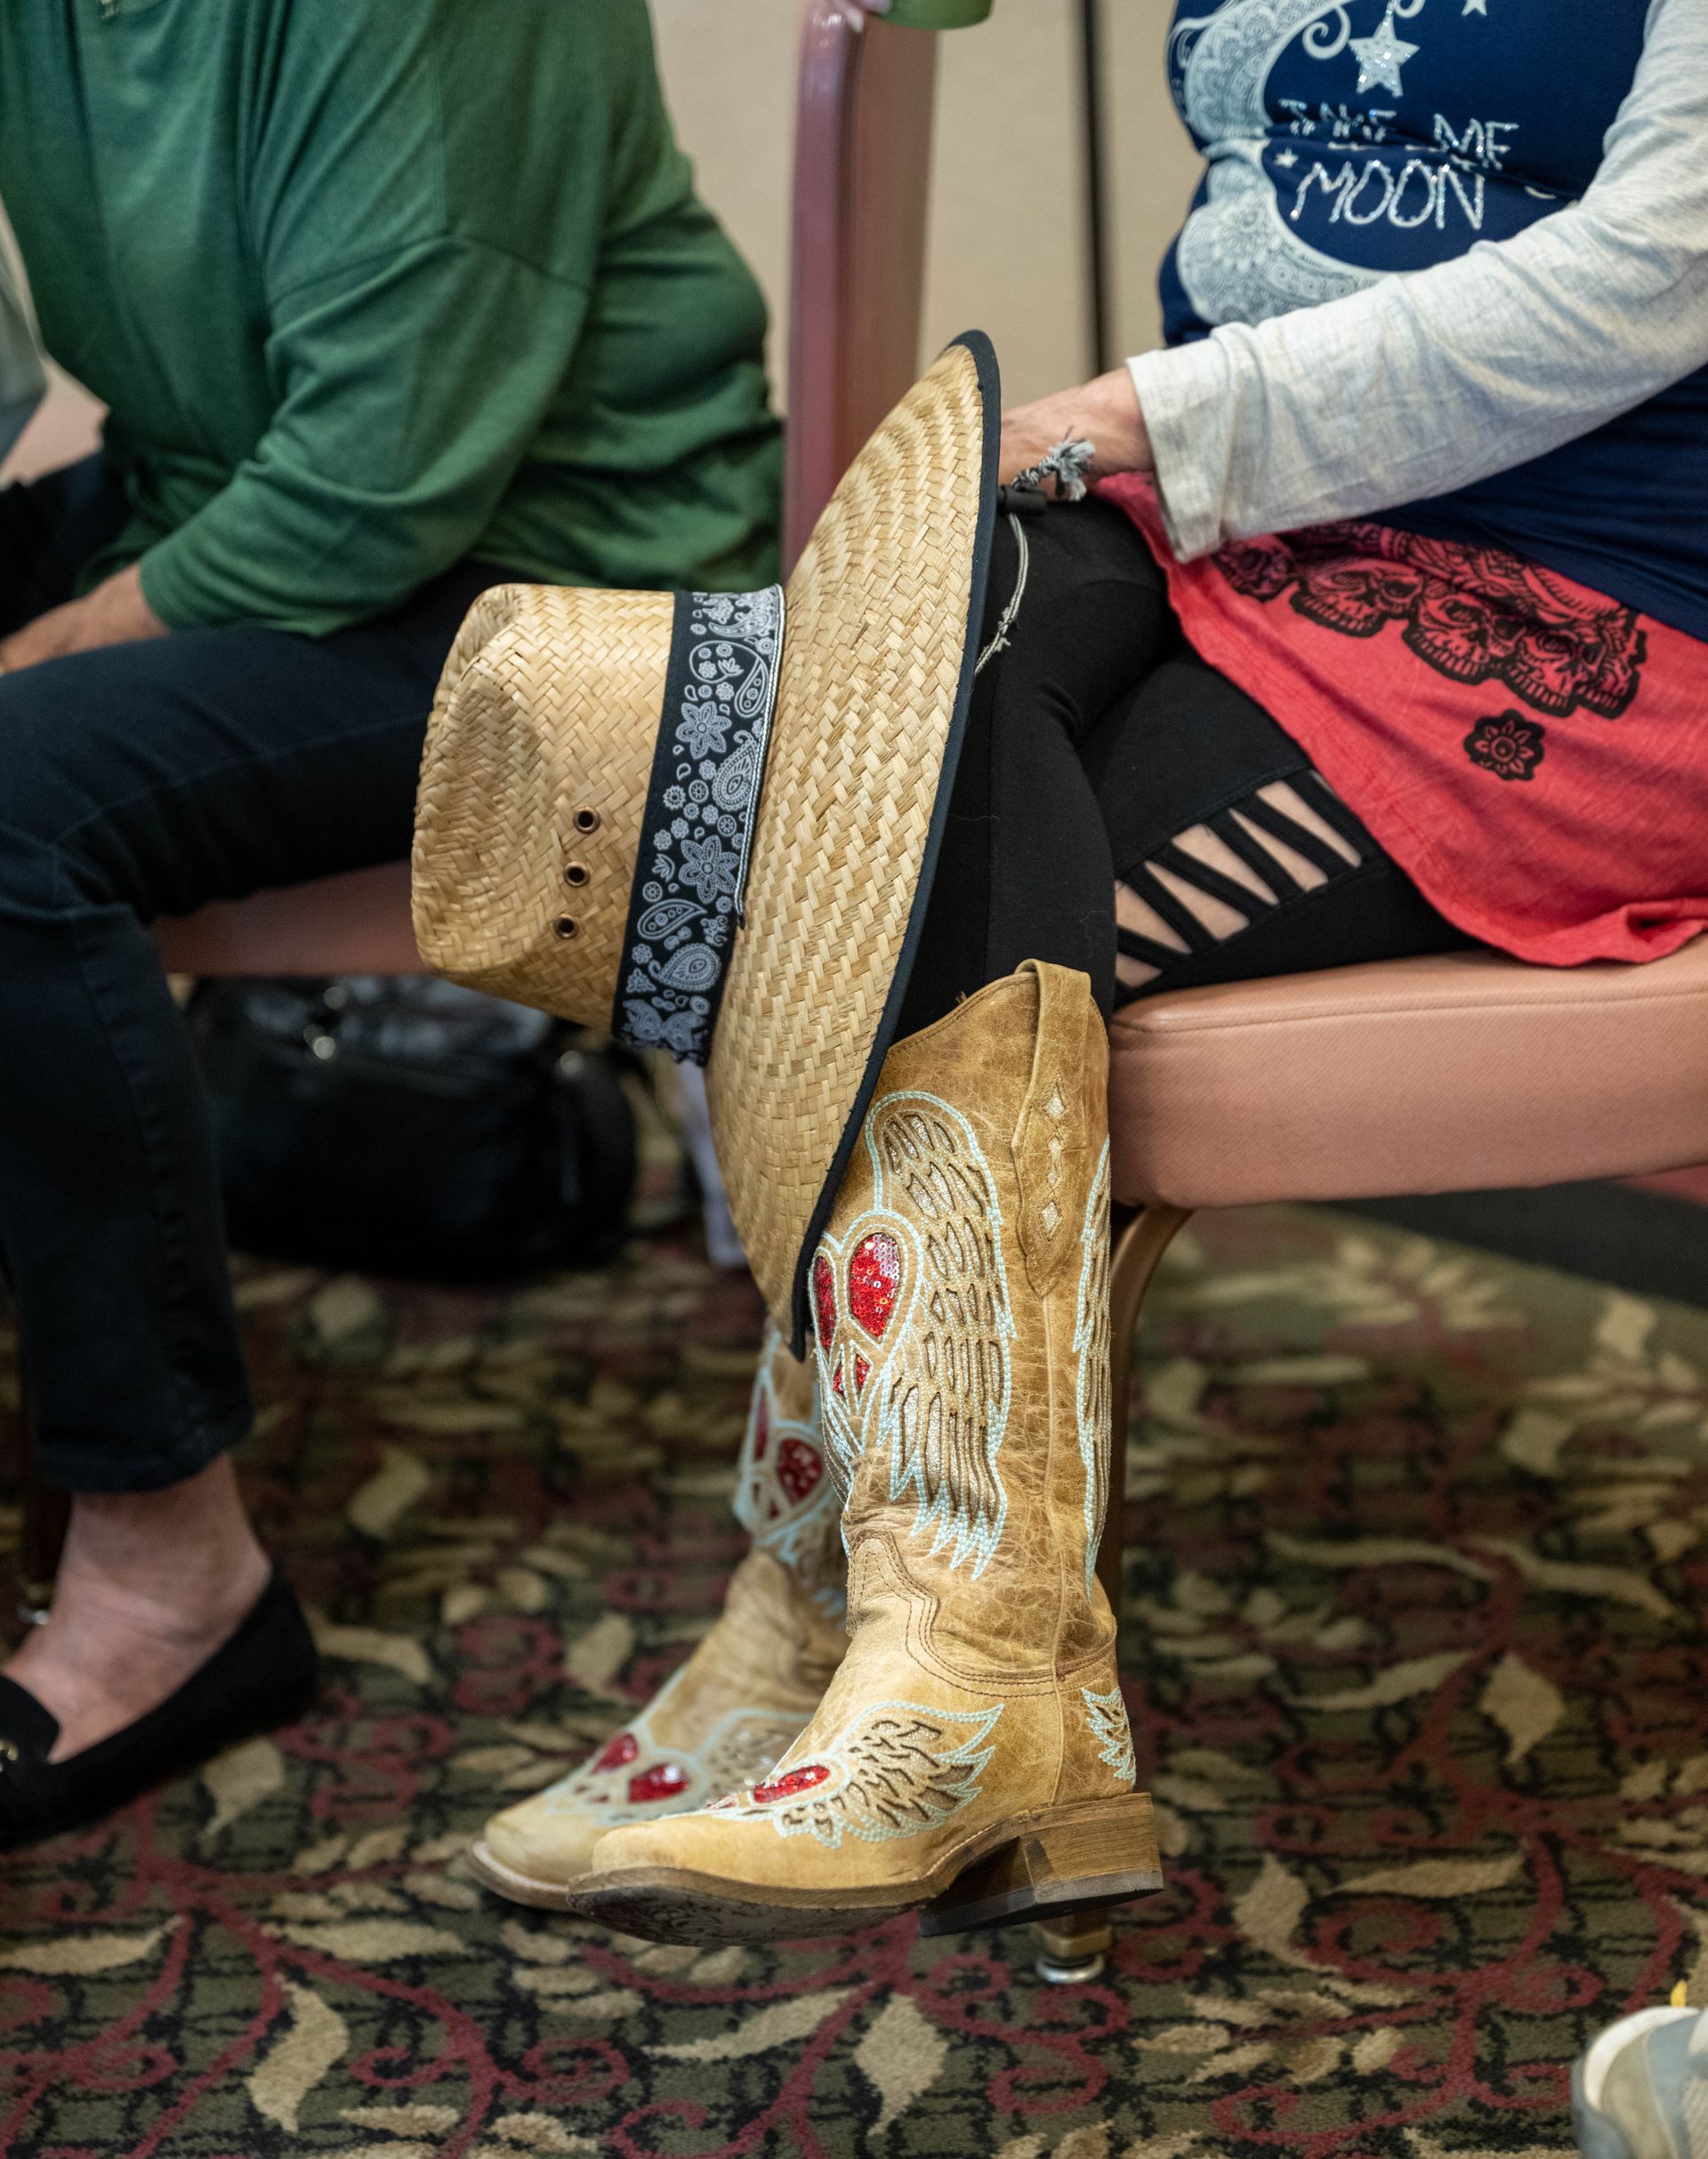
708, 766
708, 822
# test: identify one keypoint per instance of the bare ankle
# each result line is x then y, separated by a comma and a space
149, 1585
186, 1555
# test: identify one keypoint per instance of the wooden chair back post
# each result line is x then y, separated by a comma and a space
1140, 1237
43, 1513
862, 159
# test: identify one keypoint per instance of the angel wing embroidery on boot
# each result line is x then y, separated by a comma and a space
902, 1768
784, 1498
1107, 1714
913, 1323
1091, 1387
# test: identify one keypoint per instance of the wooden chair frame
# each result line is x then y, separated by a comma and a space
1139, 1236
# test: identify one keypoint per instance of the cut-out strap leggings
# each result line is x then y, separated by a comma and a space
1122, 808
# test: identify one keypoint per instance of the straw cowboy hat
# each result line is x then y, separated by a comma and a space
709, 822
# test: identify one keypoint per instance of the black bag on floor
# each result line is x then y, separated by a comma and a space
408, 1126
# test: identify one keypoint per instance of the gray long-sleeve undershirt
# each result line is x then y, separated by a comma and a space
1429, 381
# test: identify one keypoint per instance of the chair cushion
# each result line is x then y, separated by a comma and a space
1462, 1073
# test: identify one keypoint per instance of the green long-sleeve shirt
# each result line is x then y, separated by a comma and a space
370, 285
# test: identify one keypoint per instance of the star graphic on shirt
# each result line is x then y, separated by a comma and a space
1381, 57
1476, 7
1287, 160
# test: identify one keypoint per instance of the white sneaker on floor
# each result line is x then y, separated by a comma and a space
1640, 2091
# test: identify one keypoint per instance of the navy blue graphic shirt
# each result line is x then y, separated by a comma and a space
1345, 143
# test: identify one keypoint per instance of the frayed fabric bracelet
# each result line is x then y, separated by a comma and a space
1067, 465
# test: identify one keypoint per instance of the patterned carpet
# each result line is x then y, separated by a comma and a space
1416, 1674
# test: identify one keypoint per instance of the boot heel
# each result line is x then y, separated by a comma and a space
1078, 1858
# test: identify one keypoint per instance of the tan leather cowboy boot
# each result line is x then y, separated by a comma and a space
749, 1688
973, 1754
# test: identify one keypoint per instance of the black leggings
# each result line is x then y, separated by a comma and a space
1102, 753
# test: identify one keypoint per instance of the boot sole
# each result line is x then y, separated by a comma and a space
1051, 1863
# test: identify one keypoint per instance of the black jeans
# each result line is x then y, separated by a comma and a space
1097, 739
141, 780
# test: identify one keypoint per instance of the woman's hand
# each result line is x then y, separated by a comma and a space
114, 614
1104, 413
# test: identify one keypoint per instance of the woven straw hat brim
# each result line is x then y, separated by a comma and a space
884, 613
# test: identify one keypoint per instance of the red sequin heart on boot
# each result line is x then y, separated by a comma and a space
875, 1281
823, 1299
799, 1468
861, 1292
664, 1780
792, 1784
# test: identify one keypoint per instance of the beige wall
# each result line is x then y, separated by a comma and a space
1007, 221
1154, 168
1007, 224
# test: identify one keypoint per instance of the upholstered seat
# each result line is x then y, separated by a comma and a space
1455, 1074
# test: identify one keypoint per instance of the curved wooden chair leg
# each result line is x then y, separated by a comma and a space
1072, 1952
44, 1513
41, 1540
1139, 1236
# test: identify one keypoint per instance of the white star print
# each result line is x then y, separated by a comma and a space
1287, 159
1381, 57
1476, 7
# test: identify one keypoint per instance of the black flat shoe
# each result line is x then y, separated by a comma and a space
262, 1675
